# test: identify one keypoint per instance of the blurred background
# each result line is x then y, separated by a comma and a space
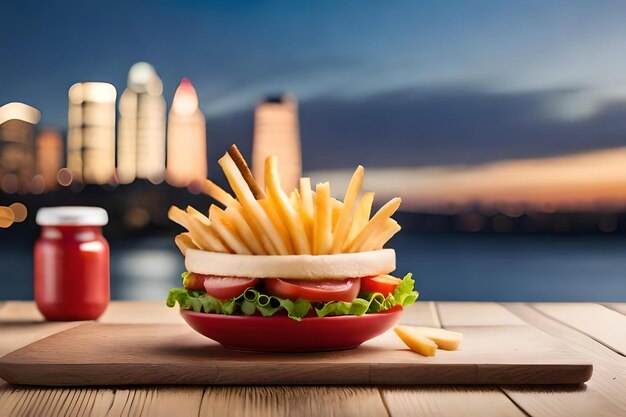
502, 125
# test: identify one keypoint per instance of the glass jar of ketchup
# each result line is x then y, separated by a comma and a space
71, 263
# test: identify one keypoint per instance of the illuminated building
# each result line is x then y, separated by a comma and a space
17, 160
186, 138
277, 132
141, 127
91, 132
49, 156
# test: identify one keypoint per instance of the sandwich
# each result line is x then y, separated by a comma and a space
266, 251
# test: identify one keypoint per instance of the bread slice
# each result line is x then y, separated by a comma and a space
338, 266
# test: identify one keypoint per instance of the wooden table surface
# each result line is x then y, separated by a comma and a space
597, 331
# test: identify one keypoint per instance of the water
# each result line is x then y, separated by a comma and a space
445, 267
515, 267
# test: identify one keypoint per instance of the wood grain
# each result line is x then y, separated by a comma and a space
195, 401
603, 324
57, 402
181, 402
292, 401
178, 401
421, 314
113, 354
21, 324
444, 400
602, 395
476, 314
449, 401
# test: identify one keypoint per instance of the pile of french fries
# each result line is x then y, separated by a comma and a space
270, 222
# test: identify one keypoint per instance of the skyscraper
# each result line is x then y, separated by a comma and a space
141, 127
91, 132
17, 151
49, 156
277, 132
186, 138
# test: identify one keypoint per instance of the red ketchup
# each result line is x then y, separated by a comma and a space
71, 263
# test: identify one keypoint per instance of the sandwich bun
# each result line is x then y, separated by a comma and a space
312, 267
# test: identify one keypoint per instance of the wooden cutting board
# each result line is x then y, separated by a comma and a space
146, 354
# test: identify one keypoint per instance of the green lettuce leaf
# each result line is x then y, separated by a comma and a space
369, 302
252, 301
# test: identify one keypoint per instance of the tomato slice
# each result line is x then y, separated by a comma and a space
318, 290
384, 284
219, 287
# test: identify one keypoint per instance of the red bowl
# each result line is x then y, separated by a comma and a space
281, 334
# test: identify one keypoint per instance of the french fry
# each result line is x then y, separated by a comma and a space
272, 213
242, 165
288, 214
251, 222
179, 216
184, 219
217, 193
336, 207
345, 216
276, 223
258, 218
202, 233
235, 216
196, 214
445, 339
306, 196
390, 229
306, 207
296, 203
225, 231
361, 217
322, 226
275, 220
294, 200
372, 227
386, 232
417, 342
204, 238
184, 242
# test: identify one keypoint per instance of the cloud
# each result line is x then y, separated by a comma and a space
447, 125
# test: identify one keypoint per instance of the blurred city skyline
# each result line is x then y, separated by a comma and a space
114, 144
414, 84
502, 125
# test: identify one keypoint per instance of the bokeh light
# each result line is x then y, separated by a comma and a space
65, 177
9, 183
7, 217
37, 184
195, 187
136, 218
20, 212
